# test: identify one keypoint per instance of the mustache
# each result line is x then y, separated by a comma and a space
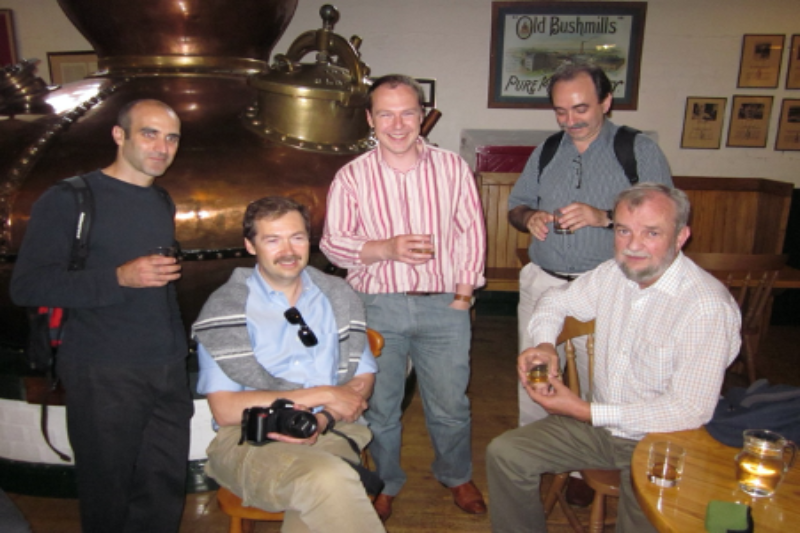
287, 259
631, 253
574, 126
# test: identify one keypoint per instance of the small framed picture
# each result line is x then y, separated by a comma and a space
429, 87
749, 123
793, 71
66, 67
789, 126
760, 64
702, 122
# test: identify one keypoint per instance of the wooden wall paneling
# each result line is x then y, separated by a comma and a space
773, 214
733, 215
490, 212
736, 220
737, 215
502, 265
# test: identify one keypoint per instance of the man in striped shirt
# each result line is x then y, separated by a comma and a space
665, 332
405, 220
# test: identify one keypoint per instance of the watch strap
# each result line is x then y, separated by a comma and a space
331, 421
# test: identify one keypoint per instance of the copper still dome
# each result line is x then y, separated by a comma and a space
248, 129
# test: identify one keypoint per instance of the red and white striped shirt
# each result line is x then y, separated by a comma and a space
371, 201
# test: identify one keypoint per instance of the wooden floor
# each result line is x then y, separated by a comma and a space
424, 506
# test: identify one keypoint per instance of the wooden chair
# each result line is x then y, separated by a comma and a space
750, 278
243, 518
604, 482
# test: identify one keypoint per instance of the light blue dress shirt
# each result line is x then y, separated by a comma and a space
276, 344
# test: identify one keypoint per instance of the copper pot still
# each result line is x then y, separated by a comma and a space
249, 129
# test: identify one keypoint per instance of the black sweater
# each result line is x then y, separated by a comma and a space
107, 324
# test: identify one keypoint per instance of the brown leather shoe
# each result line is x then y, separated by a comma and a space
383, 506
579, 493
468, 498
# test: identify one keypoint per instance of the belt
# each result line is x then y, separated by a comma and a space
565, 277
420, 293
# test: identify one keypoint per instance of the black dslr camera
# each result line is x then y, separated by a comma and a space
280, 417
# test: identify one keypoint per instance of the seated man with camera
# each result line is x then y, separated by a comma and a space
283, 359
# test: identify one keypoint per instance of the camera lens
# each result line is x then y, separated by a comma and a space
298, 424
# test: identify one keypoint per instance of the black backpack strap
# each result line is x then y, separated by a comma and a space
77, 261
623, 149
85, 202
549, 151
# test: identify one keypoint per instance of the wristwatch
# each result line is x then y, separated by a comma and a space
331, 421
610, 215
464, 298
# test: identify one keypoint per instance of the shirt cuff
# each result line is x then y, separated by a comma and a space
606, 415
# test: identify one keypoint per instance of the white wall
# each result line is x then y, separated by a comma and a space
691, 48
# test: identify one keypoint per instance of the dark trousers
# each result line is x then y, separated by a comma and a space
129, 431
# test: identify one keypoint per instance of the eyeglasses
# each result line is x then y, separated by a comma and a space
305, 334
578, 166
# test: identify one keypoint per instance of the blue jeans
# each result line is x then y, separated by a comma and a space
437, 338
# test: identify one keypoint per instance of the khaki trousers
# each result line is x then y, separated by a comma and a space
516, 460
318, 491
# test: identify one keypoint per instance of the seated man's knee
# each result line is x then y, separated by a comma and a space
500, 449
328, 477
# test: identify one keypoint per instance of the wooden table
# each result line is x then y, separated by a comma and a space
709, 474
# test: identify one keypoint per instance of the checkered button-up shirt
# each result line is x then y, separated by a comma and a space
660, 352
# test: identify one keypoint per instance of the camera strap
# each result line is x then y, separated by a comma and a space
372, 482
350, 441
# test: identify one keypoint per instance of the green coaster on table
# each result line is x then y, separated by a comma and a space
728, 517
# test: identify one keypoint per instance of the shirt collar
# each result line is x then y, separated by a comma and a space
257, 283
424, 153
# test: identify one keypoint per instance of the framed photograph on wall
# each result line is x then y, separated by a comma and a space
66, 67
760, 64
789, 126
793, 71
8, 40
429, 88
531, 39
749, 123
702, 122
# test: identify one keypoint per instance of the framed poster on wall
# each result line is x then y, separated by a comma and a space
8, 41
531, 39
749, 123
760, 64
702, 122
789, 126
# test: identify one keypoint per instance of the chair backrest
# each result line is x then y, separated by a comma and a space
376, 342
749, 277
571, 329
